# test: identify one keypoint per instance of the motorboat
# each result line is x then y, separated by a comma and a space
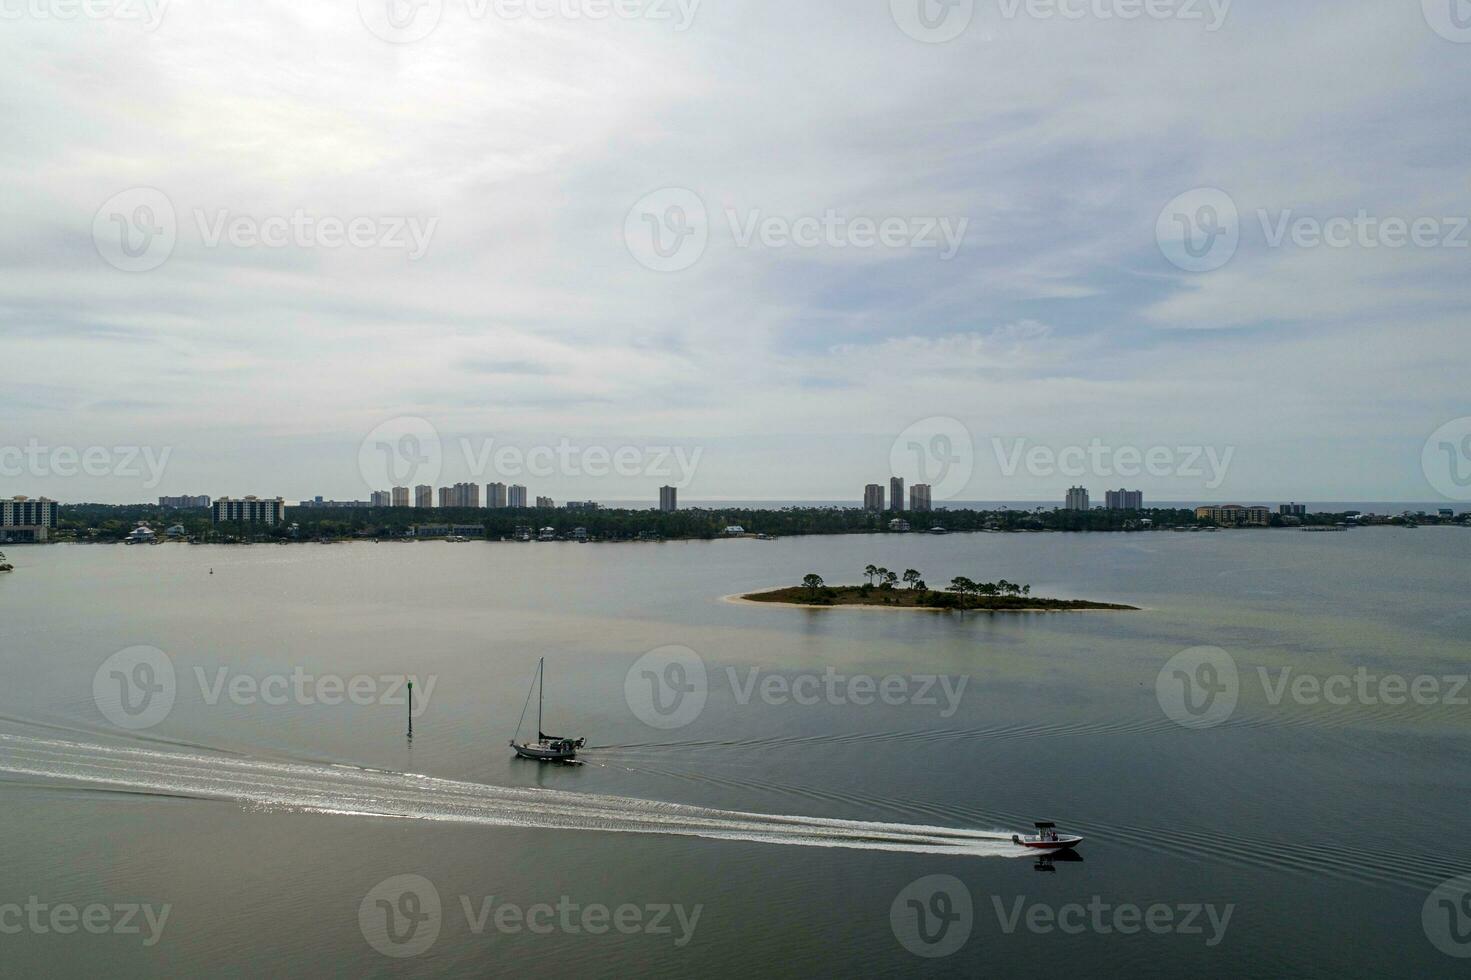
1047, 838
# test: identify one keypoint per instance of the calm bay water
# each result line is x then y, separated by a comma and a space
1321, 823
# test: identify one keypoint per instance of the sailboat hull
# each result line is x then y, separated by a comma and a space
556, 750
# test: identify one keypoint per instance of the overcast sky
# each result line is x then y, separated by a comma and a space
805, 243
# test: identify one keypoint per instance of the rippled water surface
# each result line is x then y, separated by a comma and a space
793, 808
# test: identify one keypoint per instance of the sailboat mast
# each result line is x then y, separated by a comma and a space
541, 690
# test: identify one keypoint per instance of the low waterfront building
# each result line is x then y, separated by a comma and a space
250, 510
1292, 510
899, 526
1234, 515
185, 502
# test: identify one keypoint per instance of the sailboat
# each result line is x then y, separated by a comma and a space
546, 748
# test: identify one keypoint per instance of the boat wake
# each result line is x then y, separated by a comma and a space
352, 791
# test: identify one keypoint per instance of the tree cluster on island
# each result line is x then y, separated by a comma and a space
962, 593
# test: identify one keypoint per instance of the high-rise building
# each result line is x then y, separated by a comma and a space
28, 512
896, 493
668, 499
495, 496
1077, 499
380, 498
465, 496
1124, 499
251, 510
1293, 510
26, 520
424, 497
516, 496
545, 503
400, 496
185, 502
919, 498
873, 497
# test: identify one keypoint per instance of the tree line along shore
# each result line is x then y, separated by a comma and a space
882, 590
106, 522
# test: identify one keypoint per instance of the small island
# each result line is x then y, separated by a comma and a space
963, 595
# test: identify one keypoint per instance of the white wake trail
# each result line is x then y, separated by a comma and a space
346, 790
